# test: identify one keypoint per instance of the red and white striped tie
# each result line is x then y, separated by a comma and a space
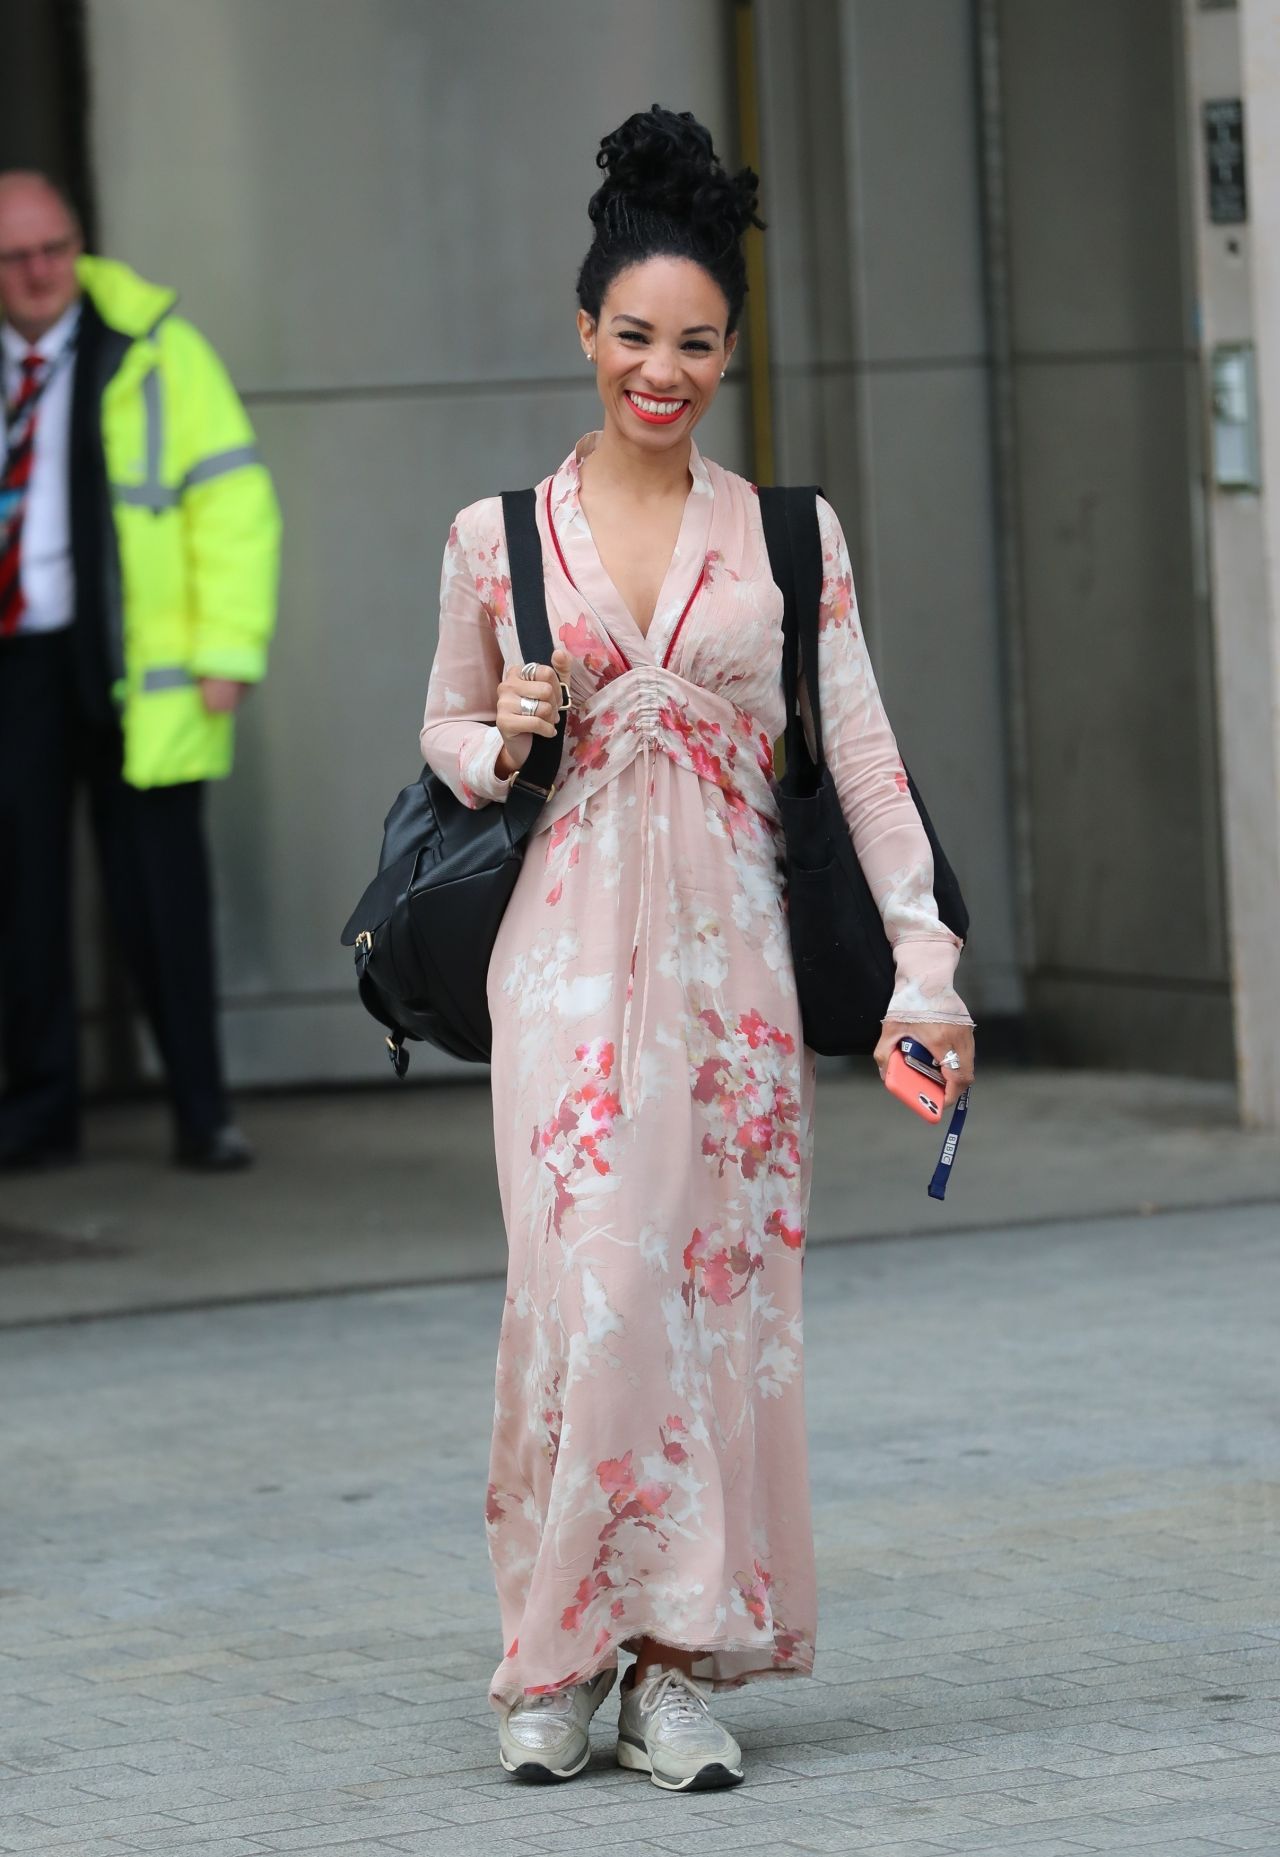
20, 422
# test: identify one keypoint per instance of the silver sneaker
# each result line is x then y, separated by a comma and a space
666, 1729
544, 1738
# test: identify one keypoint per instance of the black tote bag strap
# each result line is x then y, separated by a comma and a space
806, 557
529, 597
777, 540
794, 542
790, 518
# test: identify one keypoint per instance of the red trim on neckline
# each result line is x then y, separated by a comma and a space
556, 540
697, 589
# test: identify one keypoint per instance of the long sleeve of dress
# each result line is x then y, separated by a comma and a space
885, 827
460, 740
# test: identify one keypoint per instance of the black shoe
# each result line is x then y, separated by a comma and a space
36, 1156
224, 1151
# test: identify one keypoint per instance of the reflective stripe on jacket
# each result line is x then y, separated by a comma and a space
197, 531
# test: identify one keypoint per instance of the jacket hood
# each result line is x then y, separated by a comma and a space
124, 300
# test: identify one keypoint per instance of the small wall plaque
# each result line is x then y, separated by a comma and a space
1224, 158
1234, 385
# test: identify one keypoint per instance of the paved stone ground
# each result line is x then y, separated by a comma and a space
246, 1607
390, 1187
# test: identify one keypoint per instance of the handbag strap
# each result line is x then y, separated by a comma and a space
790, 517
529, 597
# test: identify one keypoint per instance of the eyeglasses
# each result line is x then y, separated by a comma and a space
26, 254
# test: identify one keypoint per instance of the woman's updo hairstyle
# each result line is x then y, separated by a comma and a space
666, 194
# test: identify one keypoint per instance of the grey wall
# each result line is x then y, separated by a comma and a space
872, 127
881, 382
1129, 955
376, 211
42, 122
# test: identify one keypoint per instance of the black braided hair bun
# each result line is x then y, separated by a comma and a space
663, 162
666, 193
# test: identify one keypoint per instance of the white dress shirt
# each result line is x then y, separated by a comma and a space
48, 581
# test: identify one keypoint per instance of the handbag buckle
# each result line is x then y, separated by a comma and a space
544, 793
364, 943
566, 701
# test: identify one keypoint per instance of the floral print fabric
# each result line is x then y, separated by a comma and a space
652, 1094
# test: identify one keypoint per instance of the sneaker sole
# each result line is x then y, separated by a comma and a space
536, 1773
715, 1774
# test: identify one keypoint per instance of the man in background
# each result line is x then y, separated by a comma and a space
139, 543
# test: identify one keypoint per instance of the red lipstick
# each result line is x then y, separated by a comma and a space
656, 419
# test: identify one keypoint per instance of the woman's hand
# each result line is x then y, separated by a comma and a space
517, 727
940, 1039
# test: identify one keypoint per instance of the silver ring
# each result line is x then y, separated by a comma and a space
527, 706
530, 672
950, 1060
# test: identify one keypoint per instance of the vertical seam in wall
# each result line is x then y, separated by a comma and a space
813, 23
867, 565
1199, 492
744, 26
994, 233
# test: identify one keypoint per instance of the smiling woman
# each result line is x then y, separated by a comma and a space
665, 197
652, 1092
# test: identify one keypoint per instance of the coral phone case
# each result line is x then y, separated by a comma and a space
913, 1076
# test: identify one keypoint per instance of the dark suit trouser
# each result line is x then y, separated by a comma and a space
155, 869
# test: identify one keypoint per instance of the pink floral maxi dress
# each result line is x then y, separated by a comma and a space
651, 1090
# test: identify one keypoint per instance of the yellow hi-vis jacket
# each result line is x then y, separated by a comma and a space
197, 532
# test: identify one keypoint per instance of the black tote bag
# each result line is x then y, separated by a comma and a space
843, 960
424, 930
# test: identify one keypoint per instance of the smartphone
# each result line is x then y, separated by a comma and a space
915, 1077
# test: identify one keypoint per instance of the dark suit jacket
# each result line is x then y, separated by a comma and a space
98, 628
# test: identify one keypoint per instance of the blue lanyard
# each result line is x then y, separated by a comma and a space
15, 415
16, 421
942, 1172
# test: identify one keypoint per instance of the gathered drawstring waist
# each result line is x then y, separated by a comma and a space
665, 718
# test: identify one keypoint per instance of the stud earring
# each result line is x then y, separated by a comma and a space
723, 372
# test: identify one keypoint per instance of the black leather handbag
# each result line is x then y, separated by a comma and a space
424, 930
843, 960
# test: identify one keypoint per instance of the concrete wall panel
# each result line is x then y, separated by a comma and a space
806, 134
1091, 145
377, 213
911, 131
1115, 661
880, 390
386, 192
937, 636
1123, 786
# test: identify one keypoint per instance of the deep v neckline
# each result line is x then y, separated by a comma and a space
643, 630
585, 569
